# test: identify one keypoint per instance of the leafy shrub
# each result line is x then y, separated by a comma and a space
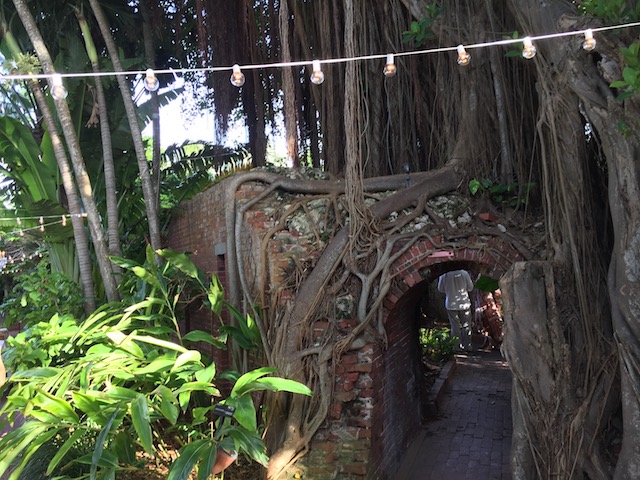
437, 345
614, 11
40, 294
511, 194
630, 83
126, 385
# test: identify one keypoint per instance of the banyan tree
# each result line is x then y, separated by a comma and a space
554, 121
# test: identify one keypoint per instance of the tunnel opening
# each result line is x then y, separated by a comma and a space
419, 315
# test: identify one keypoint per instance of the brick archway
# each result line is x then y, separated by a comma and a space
396, 411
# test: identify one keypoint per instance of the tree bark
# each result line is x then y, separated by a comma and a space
68, 130
136, 134
286, 357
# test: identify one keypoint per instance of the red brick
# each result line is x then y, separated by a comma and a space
355, 469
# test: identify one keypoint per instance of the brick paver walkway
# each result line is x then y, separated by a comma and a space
471, 438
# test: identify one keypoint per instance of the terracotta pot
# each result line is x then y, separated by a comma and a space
223, 460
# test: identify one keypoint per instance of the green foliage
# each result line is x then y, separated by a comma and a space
486, 284
511, 194
612, 11
422, 30
630, 83
40, 294
514, 52
126, 384
437, 345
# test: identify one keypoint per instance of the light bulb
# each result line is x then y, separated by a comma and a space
151, 82
41, 222
64, 221
58, 91
237, 77
463, 57
317, 76
589, 43
528, 50
390, 68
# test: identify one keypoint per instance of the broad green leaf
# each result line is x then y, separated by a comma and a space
245, 412
63, 450
192, 356
248, 378
125, 343
121, 393
198, 386
56, 406
208, 461
100, 442
30, 450
216, 295
206, 374
200, 336
200, 414
183, 263
159, 343
249, 442
163, 363
15, 442
46, 372
124, 447
146, 276
140, 419
168, 404
285, 385
185, 463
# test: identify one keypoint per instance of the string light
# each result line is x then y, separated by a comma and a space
390, 68
20, 231
317, 75
236, 68
589, 43
58, 90
528, 50
463, 57
151, 82
237, 77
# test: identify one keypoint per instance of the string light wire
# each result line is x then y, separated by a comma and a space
301, 63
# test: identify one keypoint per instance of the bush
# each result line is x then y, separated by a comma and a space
128, 384
40, 294
437, 345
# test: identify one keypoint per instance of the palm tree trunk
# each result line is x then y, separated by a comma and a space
68, 130
79, 233
149, 53
136, 134
113, 233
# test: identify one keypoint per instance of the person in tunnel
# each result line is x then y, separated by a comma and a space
456, 286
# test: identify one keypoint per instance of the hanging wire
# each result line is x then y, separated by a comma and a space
301, 63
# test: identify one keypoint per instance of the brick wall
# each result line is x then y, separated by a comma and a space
375, 410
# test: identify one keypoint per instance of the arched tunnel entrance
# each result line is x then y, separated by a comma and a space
399, 409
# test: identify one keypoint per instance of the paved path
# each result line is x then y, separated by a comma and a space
471, 438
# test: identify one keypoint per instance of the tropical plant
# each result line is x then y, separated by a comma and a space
422, 30
630, 83
511, 194
437, 344
40, 294
126, 385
